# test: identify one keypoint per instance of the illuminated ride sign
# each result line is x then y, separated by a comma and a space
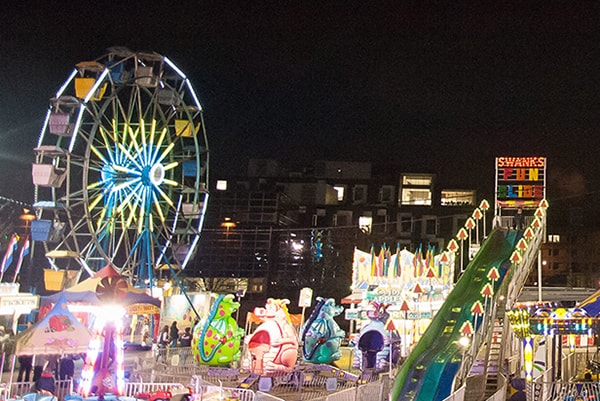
548, 326
550, 322
520, 181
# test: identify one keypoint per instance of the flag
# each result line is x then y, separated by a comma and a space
430, 259
418, 262
373, 261
386, 261
427, 256
414, 261
381, 260
398, 271
24, 252
13, 244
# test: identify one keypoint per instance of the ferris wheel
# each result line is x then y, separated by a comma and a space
121, 168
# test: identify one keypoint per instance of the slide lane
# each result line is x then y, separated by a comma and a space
429, 371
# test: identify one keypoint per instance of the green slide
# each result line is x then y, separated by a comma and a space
429, 371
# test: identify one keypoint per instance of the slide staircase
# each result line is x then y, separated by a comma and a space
439, 364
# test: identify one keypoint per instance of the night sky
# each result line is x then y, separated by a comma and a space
410, 86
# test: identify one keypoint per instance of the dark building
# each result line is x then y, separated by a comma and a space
570, 259
277, 230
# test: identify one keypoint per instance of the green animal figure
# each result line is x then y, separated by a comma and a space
321, 335
216, 339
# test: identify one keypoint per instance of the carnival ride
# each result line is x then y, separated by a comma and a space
321, 335
120, 176
216, 339
273, 347
376, 347
121, 168
495, 275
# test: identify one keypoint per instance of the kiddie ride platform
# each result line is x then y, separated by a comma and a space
303, 377
166, 392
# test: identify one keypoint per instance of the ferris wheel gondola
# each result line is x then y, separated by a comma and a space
121, 168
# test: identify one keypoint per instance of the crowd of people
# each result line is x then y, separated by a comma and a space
170, 336
43, 370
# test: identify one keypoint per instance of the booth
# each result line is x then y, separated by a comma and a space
412, 285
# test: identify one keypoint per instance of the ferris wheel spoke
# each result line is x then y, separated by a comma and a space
165, 152
157, 207
130, 157
141, 213
159, 143
132, 143
126, 185
165, 197
96, 200
99, 155
130, 171
125, 202
152, 131
106, 142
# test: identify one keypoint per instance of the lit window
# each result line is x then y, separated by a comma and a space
417, 179
340, 192
221, 185
553, 238
457, 197
365, 223
412, 196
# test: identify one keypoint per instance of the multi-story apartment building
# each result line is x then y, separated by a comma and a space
571, 259
277, 230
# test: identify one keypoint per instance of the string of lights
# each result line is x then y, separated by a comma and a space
346, 227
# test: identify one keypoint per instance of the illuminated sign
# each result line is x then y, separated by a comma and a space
361, 314
548, 326
520, 191
520, 181
142, 309
521, 162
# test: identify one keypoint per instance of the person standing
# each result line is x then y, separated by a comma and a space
163, 337
185, 340
4, 336
518, 219
145, 331
41, 361
174, 334
25, 366
66, 368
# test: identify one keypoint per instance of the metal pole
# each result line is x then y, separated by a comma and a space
390, 348
539, 275
462, 267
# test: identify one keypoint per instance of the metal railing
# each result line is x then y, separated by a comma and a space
567, 391
63, 388
175, 356
133, 388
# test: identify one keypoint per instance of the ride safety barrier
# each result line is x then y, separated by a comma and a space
63, 388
